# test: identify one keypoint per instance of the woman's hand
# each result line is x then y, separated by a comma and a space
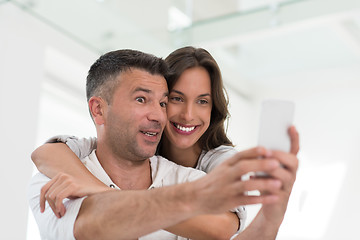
65, 186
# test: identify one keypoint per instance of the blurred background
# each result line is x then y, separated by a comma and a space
306, 51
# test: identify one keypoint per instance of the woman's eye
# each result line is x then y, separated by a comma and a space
176, 99
203, 101
140, 99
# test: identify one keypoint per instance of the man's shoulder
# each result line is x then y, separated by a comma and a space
38, 178
35, 184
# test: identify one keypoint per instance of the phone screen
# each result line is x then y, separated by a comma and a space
275, 119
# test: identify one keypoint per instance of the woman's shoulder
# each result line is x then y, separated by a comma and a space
219, 152
210, 159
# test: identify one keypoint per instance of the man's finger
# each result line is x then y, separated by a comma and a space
252, 153
290, 161
263, 199
294, 138
263, 185
254, 165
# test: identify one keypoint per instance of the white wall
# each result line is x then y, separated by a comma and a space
21, 77
324, 202
25, 101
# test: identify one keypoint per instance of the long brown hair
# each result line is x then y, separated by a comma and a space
189, 57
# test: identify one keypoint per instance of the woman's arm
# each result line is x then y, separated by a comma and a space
53, 158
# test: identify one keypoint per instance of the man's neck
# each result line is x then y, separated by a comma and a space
126, 174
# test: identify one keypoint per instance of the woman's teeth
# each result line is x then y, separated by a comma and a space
184, 129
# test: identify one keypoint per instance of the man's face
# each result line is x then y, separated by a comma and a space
137, 115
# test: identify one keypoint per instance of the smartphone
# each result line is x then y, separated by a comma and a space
275, 119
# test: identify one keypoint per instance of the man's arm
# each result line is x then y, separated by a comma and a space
207, 227
131, 214
220, 226
114, 213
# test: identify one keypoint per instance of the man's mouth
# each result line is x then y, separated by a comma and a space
150, 134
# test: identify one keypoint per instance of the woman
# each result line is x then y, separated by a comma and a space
194, 135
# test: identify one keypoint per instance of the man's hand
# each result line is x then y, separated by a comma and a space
65, 186
274, 213
225, 181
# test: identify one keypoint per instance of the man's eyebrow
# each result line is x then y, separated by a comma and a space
140, 89
181, 93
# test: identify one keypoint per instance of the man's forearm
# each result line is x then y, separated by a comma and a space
207, 227
260, 228
132, 214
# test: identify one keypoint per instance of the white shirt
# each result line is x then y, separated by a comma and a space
164, 173
207, 161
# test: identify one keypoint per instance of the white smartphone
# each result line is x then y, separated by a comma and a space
275, 119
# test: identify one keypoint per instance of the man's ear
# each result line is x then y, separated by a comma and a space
97, 107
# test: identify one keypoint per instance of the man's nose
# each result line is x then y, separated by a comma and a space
157, 113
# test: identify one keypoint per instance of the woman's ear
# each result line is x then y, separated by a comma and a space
97, 107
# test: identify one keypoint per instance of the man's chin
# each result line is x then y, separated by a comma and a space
148, 153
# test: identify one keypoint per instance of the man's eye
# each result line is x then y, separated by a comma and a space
163, 104
140, 99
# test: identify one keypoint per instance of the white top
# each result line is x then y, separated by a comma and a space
208, 160
164, 173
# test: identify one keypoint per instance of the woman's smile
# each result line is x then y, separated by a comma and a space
184, 129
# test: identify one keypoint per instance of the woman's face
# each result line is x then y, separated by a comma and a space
189, 108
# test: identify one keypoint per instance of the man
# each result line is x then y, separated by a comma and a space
127, 95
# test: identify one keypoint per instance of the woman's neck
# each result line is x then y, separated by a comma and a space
186, 157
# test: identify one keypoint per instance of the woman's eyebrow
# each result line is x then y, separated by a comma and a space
205, 95
177, 91
181, 93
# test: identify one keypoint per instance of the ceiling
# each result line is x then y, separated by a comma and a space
259, 44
